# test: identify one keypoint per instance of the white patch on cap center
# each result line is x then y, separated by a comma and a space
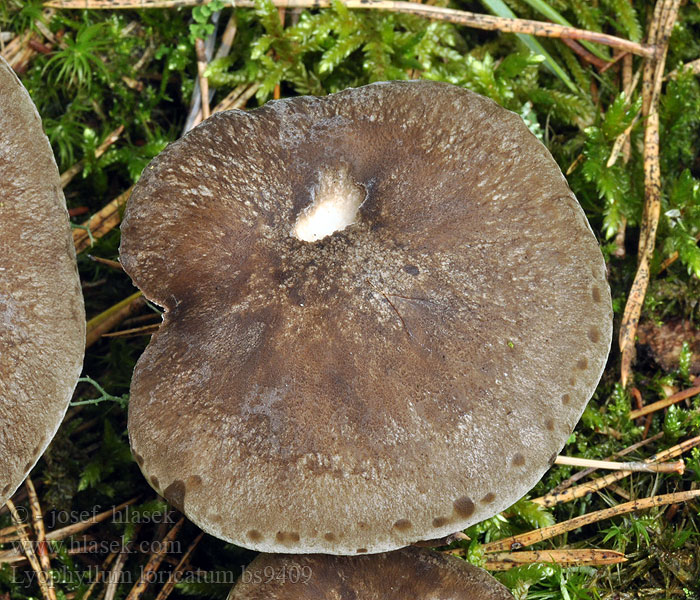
336, 200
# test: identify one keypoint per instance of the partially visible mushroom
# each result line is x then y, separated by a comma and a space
42, 319
407, 366
407, 574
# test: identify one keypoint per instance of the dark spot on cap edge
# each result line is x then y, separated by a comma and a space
595, 293
490, 497
329, 537
254, 535
174, 493
549, 424
286, 537
411, 269
139, 459
518, 459
403, 524
594, 335
565, 399
582, 364
361, 550
440, 521
464, 506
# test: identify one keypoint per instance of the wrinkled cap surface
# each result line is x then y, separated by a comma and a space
42, 320
397, 380
407, 574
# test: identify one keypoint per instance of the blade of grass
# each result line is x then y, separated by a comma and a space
547, 11
499, 8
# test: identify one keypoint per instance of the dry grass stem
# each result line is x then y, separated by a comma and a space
673, 257
502, 561
156, 558
438, 13
581, 490
110, 318
113, 264
134, 331
203, 81
42, 548
28, 550
114, 577
581, 474
101, 223
180, 568
98, 578
665, 403
545, 533
665, 13
669, 467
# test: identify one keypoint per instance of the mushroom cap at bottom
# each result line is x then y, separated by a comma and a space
42, 319
411, 573
399, 379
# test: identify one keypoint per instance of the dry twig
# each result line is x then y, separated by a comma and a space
669, 467
41, 544
110, 318
539, 535
662, 23
28, 551
438, 13
101, 222
502, 561
176, 575
154, 562
666, 402
581, 490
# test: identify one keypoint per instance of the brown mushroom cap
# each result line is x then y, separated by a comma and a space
407, 574
398, 380
42, 320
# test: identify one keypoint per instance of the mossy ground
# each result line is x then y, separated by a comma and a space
97, 70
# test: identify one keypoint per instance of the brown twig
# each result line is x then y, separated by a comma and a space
544, 533
438, 13
666, 402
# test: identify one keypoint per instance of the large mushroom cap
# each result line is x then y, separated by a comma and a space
398, 380
408, 574
42, 320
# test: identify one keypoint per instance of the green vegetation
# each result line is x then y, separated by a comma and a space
104, 69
